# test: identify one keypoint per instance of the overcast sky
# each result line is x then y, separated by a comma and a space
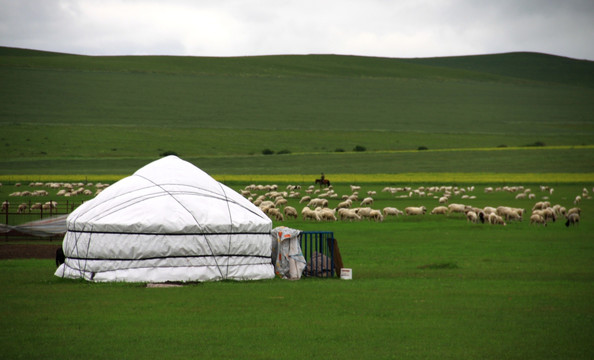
386, 28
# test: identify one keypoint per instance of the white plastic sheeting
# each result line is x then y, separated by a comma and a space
52, 226
169, 221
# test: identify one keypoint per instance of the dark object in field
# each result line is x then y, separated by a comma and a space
60, 257
323, 182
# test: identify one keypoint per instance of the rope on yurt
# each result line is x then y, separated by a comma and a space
192, 215
230, 235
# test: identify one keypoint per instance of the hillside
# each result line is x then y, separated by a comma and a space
60, 106
525, 66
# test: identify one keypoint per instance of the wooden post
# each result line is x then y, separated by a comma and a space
338, 265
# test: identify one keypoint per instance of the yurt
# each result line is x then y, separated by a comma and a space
169, 221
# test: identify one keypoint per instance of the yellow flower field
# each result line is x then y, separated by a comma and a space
417, 178
510, 178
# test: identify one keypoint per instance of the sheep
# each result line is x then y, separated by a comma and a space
326, 214
349, 214
443, 200
22, 208
376, 215
510, 213
345, 204
537, 219
290, 212
305, 199
308, 214
363, 212
549, 214
574, 210
495, 219
5, 206
318, 202
367, 201
577, 200
36, 206
391, 211
280, 201
572, 219
456, 208
489, 210
412, 210
439, 210
559, 210
355, 188
276, 214
541, 205
471, 216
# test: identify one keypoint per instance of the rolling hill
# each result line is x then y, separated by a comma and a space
58, 107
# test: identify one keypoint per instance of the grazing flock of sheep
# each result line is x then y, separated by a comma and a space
355, 207
38, 189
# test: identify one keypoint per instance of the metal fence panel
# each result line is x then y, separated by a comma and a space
318, 250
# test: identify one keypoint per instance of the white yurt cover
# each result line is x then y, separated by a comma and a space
169, 221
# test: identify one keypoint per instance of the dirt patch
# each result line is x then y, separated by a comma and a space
28, 251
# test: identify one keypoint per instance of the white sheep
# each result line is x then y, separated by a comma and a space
280, 201
439, 210
290, 212
489, 210
318, 202
537, 219
471, 216
456, 208
376, 215
412, 210
276, 214
345, 204
495, 219
367, 201
364, 212
391, 211
574, 210
348, 214
305, 199
309, 214
541, 205
443, 200
22, 208
326, 214
5, 206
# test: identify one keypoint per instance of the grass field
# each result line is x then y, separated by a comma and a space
422, 287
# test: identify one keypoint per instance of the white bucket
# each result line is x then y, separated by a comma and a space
346, 274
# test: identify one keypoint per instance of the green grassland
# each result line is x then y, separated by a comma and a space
61, 110
423, 287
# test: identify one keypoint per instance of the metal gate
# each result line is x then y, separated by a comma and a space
319, 249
